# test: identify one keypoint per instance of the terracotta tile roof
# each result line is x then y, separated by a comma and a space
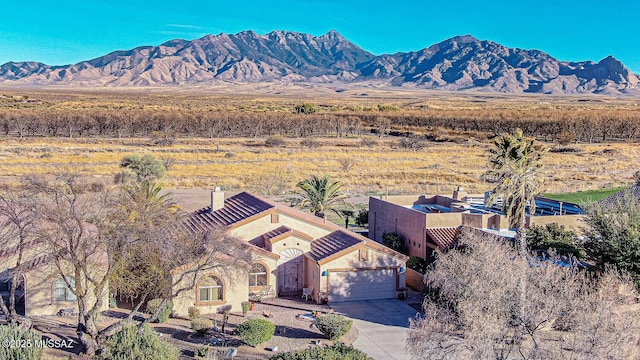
261, 240
445, 237
612, 200
236, 208
331, 244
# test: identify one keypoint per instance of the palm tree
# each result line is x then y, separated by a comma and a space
515, 165
321, 194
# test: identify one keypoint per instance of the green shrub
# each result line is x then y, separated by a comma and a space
203, 352
21, 336
256, 331
194, 312
245, 307
305, 108
201, 325
362, 219
393, 241
418, 264
338, 351
131, 344
165, 312
333, 326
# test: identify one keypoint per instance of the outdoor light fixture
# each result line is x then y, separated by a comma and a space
402, 270
325, 273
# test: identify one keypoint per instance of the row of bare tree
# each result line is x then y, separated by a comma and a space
563, 125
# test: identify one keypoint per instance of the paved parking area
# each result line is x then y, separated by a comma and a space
382, 326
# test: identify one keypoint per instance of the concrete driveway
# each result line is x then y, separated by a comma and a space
382, 326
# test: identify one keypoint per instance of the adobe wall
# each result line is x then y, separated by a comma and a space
385, 217
570, 222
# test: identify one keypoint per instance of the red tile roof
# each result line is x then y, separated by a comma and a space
262, 239
331, 244
445, 237
236, 208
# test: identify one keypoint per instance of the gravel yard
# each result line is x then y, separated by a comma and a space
292, 332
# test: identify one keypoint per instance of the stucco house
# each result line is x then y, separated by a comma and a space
292, 250
41, 290
431, 223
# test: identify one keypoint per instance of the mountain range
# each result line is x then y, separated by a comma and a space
459, 63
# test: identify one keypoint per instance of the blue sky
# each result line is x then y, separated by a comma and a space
66, 32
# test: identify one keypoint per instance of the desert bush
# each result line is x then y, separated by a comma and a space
201, 325
229, 155
556, 237
194, 312
565, 138
337, 351
418, 264
311, 143
333, 326
256, 331
393, 241
274, 141
411, 143
206, 352
305, 108
346, 164
133, 344
387, 108
20, 335
368, 142
165, 312
565, 149
362, 219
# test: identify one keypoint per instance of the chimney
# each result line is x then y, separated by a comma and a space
460, 194
217, 199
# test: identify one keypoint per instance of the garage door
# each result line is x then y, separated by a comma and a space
362, 285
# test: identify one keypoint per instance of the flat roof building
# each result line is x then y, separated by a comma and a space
429, 223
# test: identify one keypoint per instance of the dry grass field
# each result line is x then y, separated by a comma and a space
247, 164
365, 163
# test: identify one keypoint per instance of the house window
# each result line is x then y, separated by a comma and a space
61, 292
258, 275
210, 288
364, 254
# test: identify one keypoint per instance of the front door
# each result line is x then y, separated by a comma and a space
290, 280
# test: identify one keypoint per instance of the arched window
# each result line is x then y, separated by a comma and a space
210, 288
61, 291
258, 275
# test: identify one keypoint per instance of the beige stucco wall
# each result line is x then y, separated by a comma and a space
39, 293
272, 270
236, 290
415, 280
444, 220
570, 222
291, 242
263, 224
312, 276
254, 229
303, 226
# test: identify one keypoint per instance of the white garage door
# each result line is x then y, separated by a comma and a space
362, 285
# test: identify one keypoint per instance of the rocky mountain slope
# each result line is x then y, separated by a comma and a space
459, 63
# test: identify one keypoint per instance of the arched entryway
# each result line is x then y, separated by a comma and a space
290, 278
